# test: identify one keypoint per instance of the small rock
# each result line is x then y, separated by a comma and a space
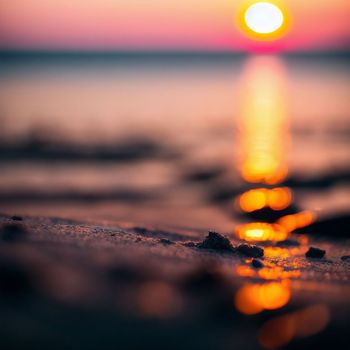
315, 253
217, 242
140, 230
251, 250
189, 244
345, 257
12, 232
257, 263
165, 241
16, 218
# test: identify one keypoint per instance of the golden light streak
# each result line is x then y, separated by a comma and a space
261, 231
251, 299
277, 199
275, 273
295, 221
268, 272
263, 128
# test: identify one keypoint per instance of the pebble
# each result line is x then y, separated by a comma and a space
251, 250
345, 257
165, 241
216, 242
257, 263
315, 253
189, 244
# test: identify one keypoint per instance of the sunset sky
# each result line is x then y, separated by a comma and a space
162, 25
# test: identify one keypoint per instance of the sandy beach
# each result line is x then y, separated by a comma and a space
62, 278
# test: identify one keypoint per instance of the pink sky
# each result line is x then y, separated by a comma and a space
162, 25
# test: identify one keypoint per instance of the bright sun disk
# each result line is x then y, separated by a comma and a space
263, 18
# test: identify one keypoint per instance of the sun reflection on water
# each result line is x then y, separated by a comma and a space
251, 299
298, 220
264, 139
263, 126
261, 231
280, 330
277, 199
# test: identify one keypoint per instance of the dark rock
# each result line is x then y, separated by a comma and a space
16, 218
315, 253
257, 263
216, 242
189, 244
251, 250
165, 241
345, 257
140, 230
12, 232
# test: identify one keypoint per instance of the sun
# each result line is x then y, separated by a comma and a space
263, 17
263, 20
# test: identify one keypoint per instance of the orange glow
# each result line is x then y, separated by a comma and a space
277, 199
276, 252
273, 273
261, 231
245, 271
264, 20
281, 330
295, 221
268, 272
264, 136
247, 301
254, 298
274, 295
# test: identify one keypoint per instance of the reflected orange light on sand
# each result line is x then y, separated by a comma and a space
158, 299
267, 273
245, 271
278, 252
277, 199
261, 231
295, 221
281, 330
254, 298
274, 273
263, 126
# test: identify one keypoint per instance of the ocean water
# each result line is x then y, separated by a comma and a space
171, 139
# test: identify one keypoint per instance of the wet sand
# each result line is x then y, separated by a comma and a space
71, 284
